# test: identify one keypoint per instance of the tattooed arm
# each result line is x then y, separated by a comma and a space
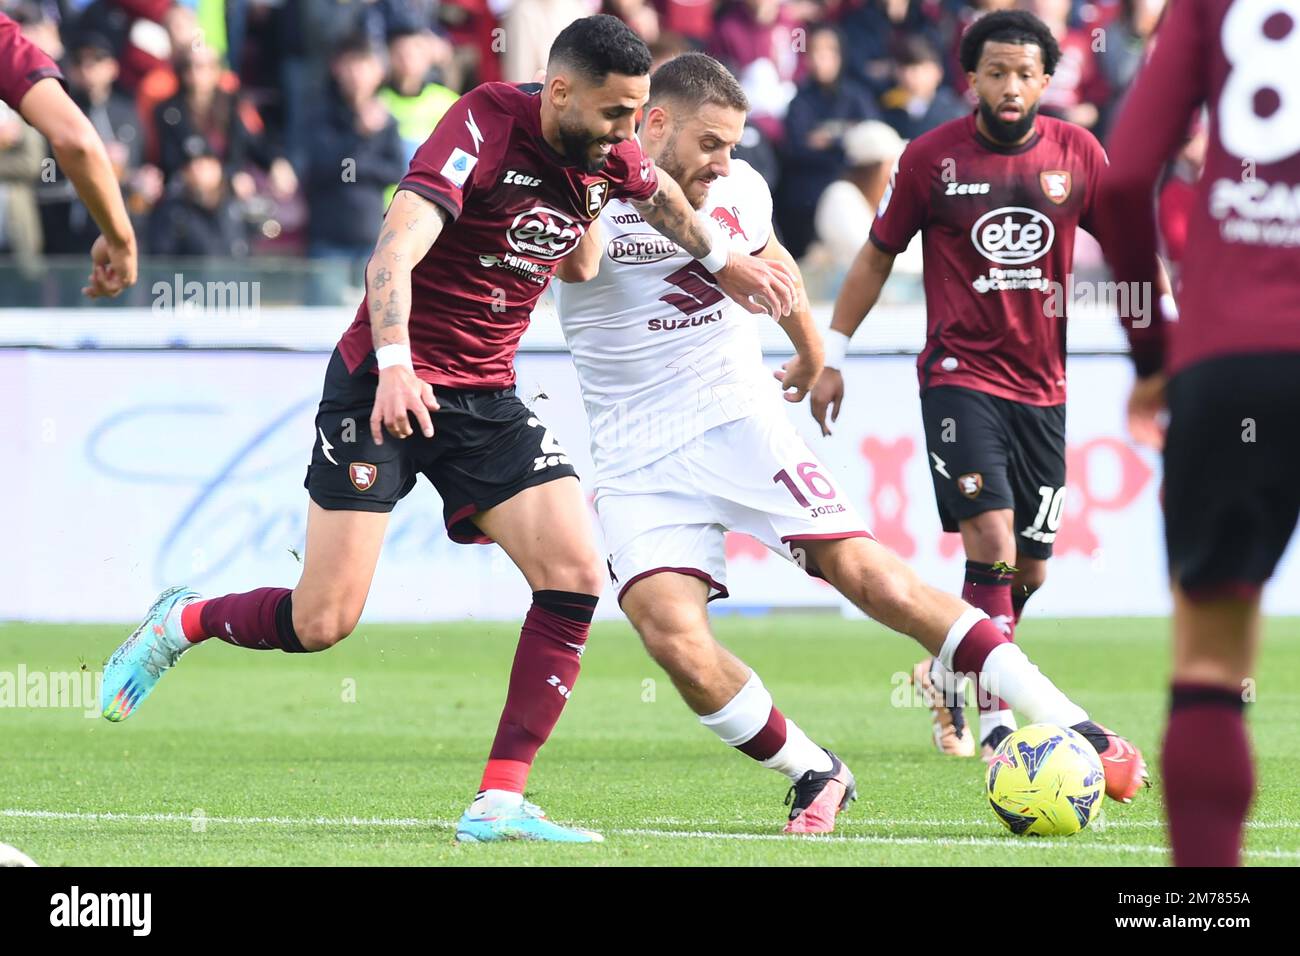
768, 282
669, 212
411, 227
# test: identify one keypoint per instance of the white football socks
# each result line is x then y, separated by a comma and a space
492, 799
951, 687
742, 717
994, 719
1009, 674
798, 754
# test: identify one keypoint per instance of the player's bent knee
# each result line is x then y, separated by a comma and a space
322, 630
672, 636
682, 652
578, 576
988, 534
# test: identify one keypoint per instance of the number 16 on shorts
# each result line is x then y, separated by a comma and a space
808, 479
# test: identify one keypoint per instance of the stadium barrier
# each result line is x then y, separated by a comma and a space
131, 470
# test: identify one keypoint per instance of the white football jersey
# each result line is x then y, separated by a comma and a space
662, 353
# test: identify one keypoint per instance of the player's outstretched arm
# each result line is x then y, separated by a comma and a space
81, 155
582, 263
862, 285
411, 227
797, 375
758, 285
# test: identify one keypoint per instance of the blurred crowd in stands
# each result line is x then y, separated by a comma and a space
279, 127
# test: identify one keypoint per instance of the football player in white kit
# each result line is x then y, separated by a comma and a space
690, 440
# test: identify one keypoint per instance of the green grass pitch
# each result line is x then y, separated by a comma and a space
367, 754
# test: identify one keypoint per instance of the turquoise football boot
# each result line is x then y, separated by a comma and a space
153, 647
524, 821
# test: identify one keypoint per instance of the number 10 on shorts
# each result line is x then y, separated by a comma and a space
1048, 520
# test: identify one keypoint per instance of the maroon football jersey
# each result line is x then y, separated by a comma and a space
1240, 286
24, 63
997, 229
517, 207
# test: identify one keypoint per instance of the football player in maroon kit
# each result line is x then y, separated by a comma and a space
31, 83
1228, 370
997, 196
502, 190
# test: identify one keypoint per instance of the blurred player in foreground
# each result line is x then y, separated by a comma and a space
1228, 371
501, 191
690, 440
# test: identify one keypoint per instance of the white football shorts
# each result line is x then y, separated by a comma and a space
754, 475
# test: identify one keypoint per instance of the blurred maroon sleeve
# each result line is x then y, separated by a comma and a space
22, 63
633, 175
444, 169
1150, 128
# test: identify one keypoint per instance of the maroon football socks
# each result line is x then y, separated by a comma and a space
546, 666
261, 620
1209, 778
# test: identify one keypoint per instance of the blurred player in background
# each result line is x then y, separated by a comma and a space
690, 440
31, 83
501, 191
997, 196
1228, 371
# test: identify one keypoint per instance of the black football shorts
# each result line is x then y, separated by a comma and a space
1232, 472
487, 447
988, 453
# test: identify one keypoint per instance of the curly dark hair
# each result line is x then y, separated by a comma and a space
1008, 26
599, 45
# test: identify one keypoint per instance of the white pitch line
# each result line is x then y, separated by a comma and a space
233, 821
1106, 823
634, 831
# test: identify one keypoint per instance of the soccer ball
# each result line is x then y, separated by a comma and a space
11, 856
1045, 781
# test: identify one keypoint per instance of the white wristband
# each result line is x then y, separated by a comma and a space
719, 254
399, 353
1169, 307
837, 347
